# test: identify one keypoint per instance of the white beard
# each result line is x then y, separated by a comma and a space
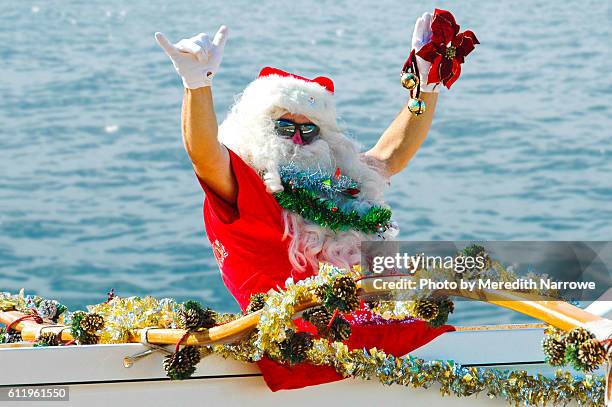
252, 137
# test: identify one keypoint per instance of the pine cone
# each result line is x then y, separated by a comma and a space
192, 355
448, 306
445, 307
10, 336
340, 330
84, 326
427, 310
48, 339
189, 319
352, 303
577, 336
318, 316
258, 301
88, 339
474, 250
343, 294
591, 354
477, 251
192, 316
182, 364
321, 291
92, 322
294, 349
14, 336
554, 349
47, 309
344, 287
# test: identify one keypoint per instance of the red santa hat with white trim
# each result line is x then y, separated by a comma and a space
313, 98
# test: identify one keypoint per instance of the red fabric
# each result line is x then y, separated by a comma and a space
445, 32
253, 257
368, 331
394, 337
324, 81
247, 239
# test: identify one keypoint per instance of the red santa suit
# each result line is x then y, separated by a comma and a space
248, 244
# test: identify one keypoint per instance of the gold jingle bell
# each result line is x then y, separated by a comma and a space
416, 106
409, 80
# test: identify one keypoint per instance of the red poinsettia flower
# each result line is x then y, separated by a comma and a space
447, 49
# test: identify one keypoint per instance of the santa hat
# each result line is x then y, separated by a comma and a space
313, 98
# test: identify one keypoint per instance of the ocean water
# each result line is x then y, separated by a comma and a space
96, 191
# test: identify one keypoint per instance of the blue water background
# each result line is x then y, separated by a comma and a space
96, 191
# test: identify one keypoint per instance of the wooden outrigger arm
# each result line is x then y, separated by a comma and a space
226, 333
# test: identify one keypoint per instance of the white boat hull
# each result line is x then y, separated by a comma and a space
96, 375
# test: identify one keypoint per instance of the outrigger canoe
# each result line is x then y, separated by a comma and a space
132, 373
96, 374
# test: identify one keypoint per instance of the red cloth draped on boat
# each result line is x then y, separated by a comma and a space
247, 241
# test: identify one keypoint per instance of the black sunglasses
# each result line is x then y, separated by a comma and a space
286, 129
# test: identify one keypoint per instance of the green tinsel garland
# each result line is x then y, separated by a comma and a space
329, 214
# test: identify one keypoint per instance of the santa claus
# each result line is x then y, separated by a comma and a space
283, 120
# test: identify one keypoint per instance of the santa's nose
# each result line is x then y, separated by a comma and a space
297, 138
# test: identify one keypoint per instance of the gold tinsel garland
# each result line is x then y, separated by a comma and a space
515, 386
121, 315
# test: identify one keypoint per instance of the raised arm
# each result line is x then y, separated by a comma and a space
197, 59
400, 142
210, 158
440, 49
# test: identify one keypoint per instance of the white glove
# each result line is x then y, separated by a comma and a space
196, 59
421, 36
273, 181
